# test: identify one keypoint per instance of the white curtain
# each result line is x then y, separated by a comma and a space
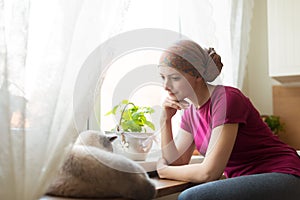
241, 15
42, 47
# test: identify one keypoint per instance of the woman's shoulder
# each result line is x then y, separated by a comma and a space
220, 88
229, 91
229, 95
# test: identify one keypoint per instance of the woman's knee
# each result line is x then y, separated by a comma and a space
206, 191
262, 186
185, 195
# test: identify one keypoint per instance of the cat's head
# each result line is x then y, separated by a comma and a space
96, 139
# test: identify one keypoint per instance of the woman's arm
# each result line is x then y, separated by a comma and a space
219, 150
179, 152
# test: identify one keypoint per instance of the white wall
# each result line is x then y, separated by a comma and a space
258, 84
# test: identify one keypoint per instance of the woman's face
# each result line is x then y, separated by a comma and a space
178, 85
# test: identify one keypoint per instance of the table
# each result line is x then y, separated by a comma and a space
164, 187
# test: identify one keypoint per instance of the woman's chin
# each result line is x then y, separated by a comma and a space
176, 97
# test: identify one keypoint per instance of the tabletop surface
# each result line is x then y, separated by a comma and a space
164, 187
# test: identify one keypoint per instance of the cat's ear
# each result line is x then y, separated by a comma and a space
112, 138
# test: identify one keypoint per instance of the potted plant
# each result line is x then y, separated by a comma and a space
274, 123
134, 129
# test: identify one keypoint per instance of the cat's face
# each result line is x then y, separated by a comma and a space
96, 139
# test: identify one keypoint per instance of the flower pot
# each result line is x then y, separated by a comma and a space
133, 145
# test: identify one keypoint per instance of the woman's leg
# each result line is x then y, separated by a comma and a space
268, 186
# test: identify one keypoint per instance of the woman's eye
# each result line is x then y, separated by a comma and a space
175, 78
162, 77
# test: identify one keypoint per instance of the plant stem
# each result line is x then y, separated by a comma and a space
123, 110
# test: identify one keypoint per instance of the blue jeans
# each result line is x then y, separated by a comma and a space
268, 186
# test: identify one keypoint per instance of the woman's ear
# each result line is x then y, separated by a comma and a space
199, 79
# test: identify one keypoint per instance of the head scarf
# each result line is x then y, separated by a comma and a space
190, 58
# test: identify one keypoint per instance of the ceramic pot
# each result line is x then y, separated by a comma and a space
133, 145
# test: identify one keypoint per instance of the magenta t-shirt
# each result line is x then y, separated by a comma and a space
256, 149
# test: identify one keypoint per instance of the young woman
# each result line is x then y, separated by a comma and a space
226, 128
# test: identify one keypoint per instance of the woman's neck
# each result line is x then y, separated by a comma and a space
203, 94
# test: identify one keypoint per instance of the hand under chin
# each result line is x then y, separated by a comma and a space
185, 104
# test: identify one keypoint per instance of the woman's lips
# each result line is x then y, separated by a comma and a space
171, 93
173, 96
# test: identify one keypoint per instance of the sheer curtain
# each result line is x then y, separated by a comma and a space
42, 47
224, 25
241, 15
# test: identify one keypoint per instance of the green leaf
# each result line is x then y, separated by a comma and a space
131, 126
133, 117
274, 123
125, 101
113, 111
150, 124
147, 110
126, 116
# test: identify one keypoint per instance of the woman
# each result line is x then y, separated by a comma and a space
225, 127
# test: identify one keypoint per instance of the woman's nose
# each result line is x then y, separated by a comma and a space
167, 84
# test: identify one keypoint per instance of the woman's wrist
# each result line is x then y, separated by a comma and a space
164, 121
161, 167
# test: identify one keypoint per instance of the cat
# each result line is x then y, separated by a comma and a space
92, 170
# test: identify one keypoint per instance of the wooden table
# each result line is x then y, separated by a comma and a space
164, 187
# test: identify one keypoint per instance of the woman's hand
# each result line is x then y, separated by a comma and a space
161, 165
170, 107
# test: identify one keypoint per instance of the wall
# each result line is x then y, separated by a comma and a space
268, 95
258, 84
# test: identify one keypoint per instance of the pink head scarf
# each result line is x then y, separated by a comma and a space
190, 58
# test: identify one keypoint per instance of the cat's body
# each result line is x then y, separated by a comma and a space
91, 171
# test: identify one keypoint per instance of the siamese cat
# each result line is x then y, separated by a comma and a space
92, 170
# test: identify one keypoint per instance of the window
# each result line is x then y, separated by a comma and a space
134, 75
124, 78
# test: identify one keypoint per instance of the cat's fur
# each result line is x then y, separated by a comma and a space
91, 170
